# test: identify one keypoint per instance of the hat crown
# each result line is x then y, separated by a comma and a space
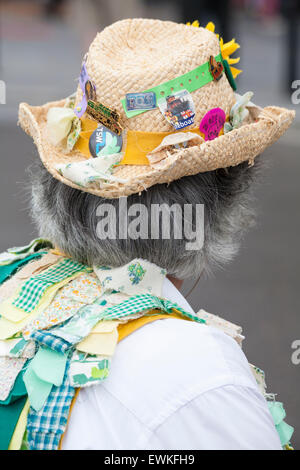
134, 55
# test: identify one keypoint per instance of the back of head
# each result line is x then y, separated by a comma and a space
70, 219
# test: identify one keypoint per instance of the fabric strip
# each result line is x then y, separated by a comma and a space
7, 270
33, 289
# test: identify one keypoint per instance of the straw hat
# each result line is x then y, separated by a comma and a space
134, 55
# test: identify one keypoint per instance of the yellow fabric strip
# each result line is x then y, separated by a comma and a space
17, 437
102, 344
87, 128
125, 329
106, 326
139, 144
88, 125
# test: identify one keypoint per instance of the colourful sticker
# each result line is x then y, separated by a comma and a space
178, 109
104, 142
212, 123
145, 101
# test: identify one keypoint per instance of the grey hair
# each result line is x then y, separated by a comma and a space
67, 217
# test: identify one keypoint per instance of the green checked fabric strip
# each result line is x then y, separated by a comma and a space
140, 303
33, 289
190, 81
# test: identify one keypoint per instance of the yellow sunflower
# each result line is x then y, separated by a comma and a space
227, 48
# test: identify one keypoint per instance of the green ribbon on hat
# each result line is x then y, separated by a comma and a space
190, 81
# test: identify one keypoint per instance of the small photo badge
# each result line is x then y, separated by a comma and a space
142, 101
212, 123
178, 109
104, 142
88, 89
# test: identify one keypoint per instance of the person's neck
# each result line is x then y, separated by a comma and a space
177, 282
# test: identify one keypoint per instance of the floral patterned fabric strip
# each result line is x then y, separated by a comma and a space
69, 299
9, 370
137, 277
85, 172
86, 370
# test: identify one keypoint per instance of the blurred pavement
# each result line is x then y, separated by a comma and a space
40, 61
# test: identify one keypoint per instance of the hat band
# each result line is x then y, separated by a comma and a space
190, 81
137, 146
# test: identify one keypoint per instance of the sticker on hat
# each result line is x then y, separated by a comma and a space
142, 101
212, 123
178, 109
104, 142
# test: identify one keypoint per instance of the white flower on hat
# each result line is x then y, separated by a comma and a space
59, 123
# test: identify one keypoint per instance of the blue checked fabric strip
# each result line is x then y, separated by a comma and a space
45, 427
33, 289
45, 338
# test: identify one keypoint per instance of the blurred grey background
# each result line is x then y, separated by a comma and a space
41, 48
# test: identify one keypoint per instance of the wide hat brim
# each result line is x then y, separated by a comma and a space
263, 127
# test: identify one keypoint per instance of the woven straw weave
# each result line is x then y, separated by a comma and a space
134, 55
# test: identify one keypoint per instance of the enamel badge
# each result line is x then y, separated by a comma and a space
106, 116
216, 68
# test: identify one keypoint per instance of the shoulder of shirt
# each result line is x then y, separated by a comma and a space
168, 363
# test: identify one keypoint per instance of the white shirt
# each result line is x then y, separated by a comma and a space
174, 384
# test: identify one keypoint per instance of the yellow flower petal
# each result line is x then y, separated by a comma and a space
194, 23
235, 72
229, 48
233, 61
210, 26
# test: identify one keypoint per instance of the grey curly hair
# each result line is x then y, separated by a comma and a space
68, 218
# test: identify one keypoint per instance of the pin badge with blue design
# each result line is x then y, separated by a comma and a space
104, 142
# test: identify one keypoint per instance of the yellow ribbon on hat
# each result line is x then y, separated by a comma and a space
88, 126
138, 143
